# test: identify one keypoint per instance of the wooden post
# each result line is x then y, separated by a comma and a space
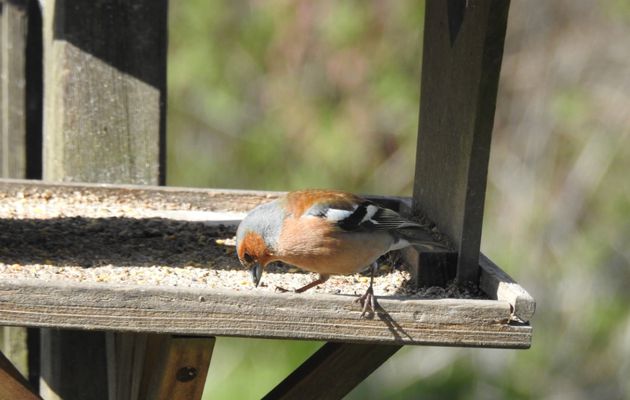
105, 70
73, 365
178, 367
463, 49
104, 121
333, 371
126, 353
13, 29
20, 133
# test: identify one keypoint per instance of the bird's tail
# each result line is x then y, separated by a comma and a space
422, 237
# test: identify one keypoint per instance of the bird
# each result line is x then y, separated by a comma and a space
328, 232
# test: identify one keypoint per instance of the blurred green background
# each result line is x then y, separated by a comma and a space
286, 94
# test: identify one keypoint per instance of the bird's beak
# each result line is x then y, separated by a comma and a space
256, 272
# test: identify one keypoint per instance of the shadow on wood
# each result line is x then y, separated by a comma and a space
73, 365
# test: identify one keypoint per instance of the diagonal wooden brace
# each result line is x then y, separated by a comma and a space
333, 371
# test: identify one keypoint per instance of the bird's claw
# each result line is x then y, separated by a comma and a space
368, 302
283, 290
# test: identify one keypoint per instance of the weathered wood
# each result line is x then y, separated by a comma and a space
291, 316
235, 200
126, 353
73, 365
333, 371
438, 268
13, 35
12, 383
500, 286
497, 284
194, 198
104, 117
463, 48
20, 80
207, 312
177, 368
105, 89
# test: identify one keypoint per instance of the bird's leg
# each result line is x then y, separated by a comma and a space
368, 300
322, 278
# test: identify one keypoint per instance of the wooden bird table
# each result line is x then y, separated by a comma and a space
161, 260
125, 284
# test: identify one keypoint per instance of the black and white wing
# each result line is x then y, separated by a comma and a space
361, 216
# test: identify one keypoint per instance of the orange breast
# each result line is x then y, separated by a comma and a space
314, 245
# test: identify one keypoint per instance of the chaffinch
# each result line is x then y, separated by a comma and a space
325, 231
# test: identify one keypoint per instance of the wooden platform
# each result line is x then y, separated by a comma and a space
499, 321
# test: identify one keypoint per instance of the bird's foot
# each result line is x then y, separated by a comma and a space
283, 290
368, 302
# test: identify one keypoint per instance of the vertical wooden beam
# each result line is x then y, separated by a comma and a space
34, 91
13, 30
105, 90
104, 121
12, 383
333, 371
463, 49
126, 354
20, 126
73, 365
178, 367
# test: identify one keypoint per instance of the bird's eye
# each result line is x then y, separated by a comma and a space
248, 258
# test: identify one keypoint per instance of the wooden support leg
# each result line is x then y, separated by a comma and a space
105, 91
104, 121
20, 135
333, 371
442, 270
73, 365
462, 53
13, 28
176, 367
12, 383
126, 354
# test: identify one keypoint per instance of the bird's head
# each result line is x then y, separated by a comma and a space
257, 237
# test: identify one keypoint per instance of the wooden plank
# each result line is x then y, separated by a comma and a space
463, 48
65, 370
12, 383
333, 371
20, 89
34, 88
207, 312
178, 367
13, 36
500, 286
20, 105
126, 353
436, 268
226, 201
234, 200
105, 90
192, 198
104, 119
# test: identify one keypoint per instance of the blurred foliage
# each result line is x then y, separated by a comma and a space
286, 94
